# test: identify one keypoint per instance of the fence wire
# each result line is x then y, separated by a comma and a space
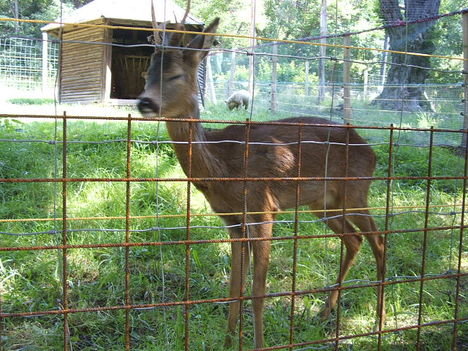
298, 236
420, 210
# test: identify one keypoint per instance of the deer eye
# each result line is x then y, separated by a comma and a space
175, 77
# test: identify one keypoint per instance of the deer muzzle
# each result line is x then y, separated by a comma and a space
147, 106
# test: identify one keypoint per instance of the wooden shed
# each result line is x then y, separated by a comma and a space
105, 64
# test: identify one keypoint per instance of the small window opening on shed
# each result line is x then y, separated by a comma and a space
129, 63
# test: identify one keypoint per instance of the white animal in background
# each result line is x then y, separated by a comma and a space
238, 99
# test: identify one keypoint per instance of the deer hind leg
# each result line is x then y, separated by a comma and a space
366, 224
352, 244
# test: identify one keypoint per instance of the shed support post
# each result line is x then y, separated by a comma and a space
107, 66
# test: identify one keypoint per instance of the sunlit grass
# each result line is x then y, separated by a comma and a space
32, 280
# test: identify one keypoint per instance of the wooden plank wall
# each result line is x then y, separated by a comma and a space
83, 75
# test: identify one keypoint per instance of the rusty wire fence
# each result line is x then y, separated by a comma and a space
440, 221
117, 250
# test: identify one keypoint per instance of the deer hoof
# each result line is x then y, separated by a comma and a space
324, 314
228, 342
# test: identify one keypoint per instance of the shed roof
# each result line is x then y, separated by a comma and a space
125, 10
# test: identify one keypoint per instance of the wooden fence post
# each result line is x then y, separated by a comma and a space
322, 52
210, 82
346, 81
465, 69
383, 68
365, 89
45, 61
232, 75
274, 77
253, 33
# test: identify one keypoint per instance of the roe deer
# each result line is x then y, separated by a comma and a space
273, 152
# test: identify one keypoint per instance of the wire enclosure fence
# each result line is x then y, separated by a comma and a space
131, 238
160, 260
28, 64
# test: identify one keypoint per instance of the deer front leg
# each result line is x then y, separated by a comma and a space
237, 279
261, 256
353, 244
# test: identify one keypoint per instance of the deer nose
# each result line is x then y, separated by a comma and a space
147, 105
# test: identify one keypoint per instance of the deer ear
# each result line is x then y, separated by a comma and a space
202, 42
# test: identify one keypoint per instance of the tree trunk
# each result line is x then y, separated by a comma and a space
404, 86
15, 9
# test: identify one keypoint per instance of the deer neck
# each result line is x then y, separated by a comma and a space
195, 156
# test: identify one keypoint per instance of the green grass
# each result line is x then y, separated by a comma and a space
32, 280
30, 101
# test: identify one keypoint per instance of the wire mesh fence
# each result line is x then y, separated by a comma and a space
143, 245
105, 241
28, 65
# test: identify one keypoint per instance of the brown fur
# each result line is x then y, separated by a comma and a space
175, 99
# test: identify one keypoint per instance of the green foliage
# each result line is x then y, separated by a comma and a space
45, 10
291, 19
447, 35
30, 101
9, 125
227, 10
285, 19
412, 161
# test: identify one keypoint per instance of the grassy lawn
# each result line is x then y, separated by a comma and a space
32, 280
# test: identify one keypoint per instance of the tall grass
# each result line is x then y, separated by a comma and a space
32, 280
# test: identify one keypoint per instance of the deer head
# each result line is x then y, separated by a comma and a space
171, 79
